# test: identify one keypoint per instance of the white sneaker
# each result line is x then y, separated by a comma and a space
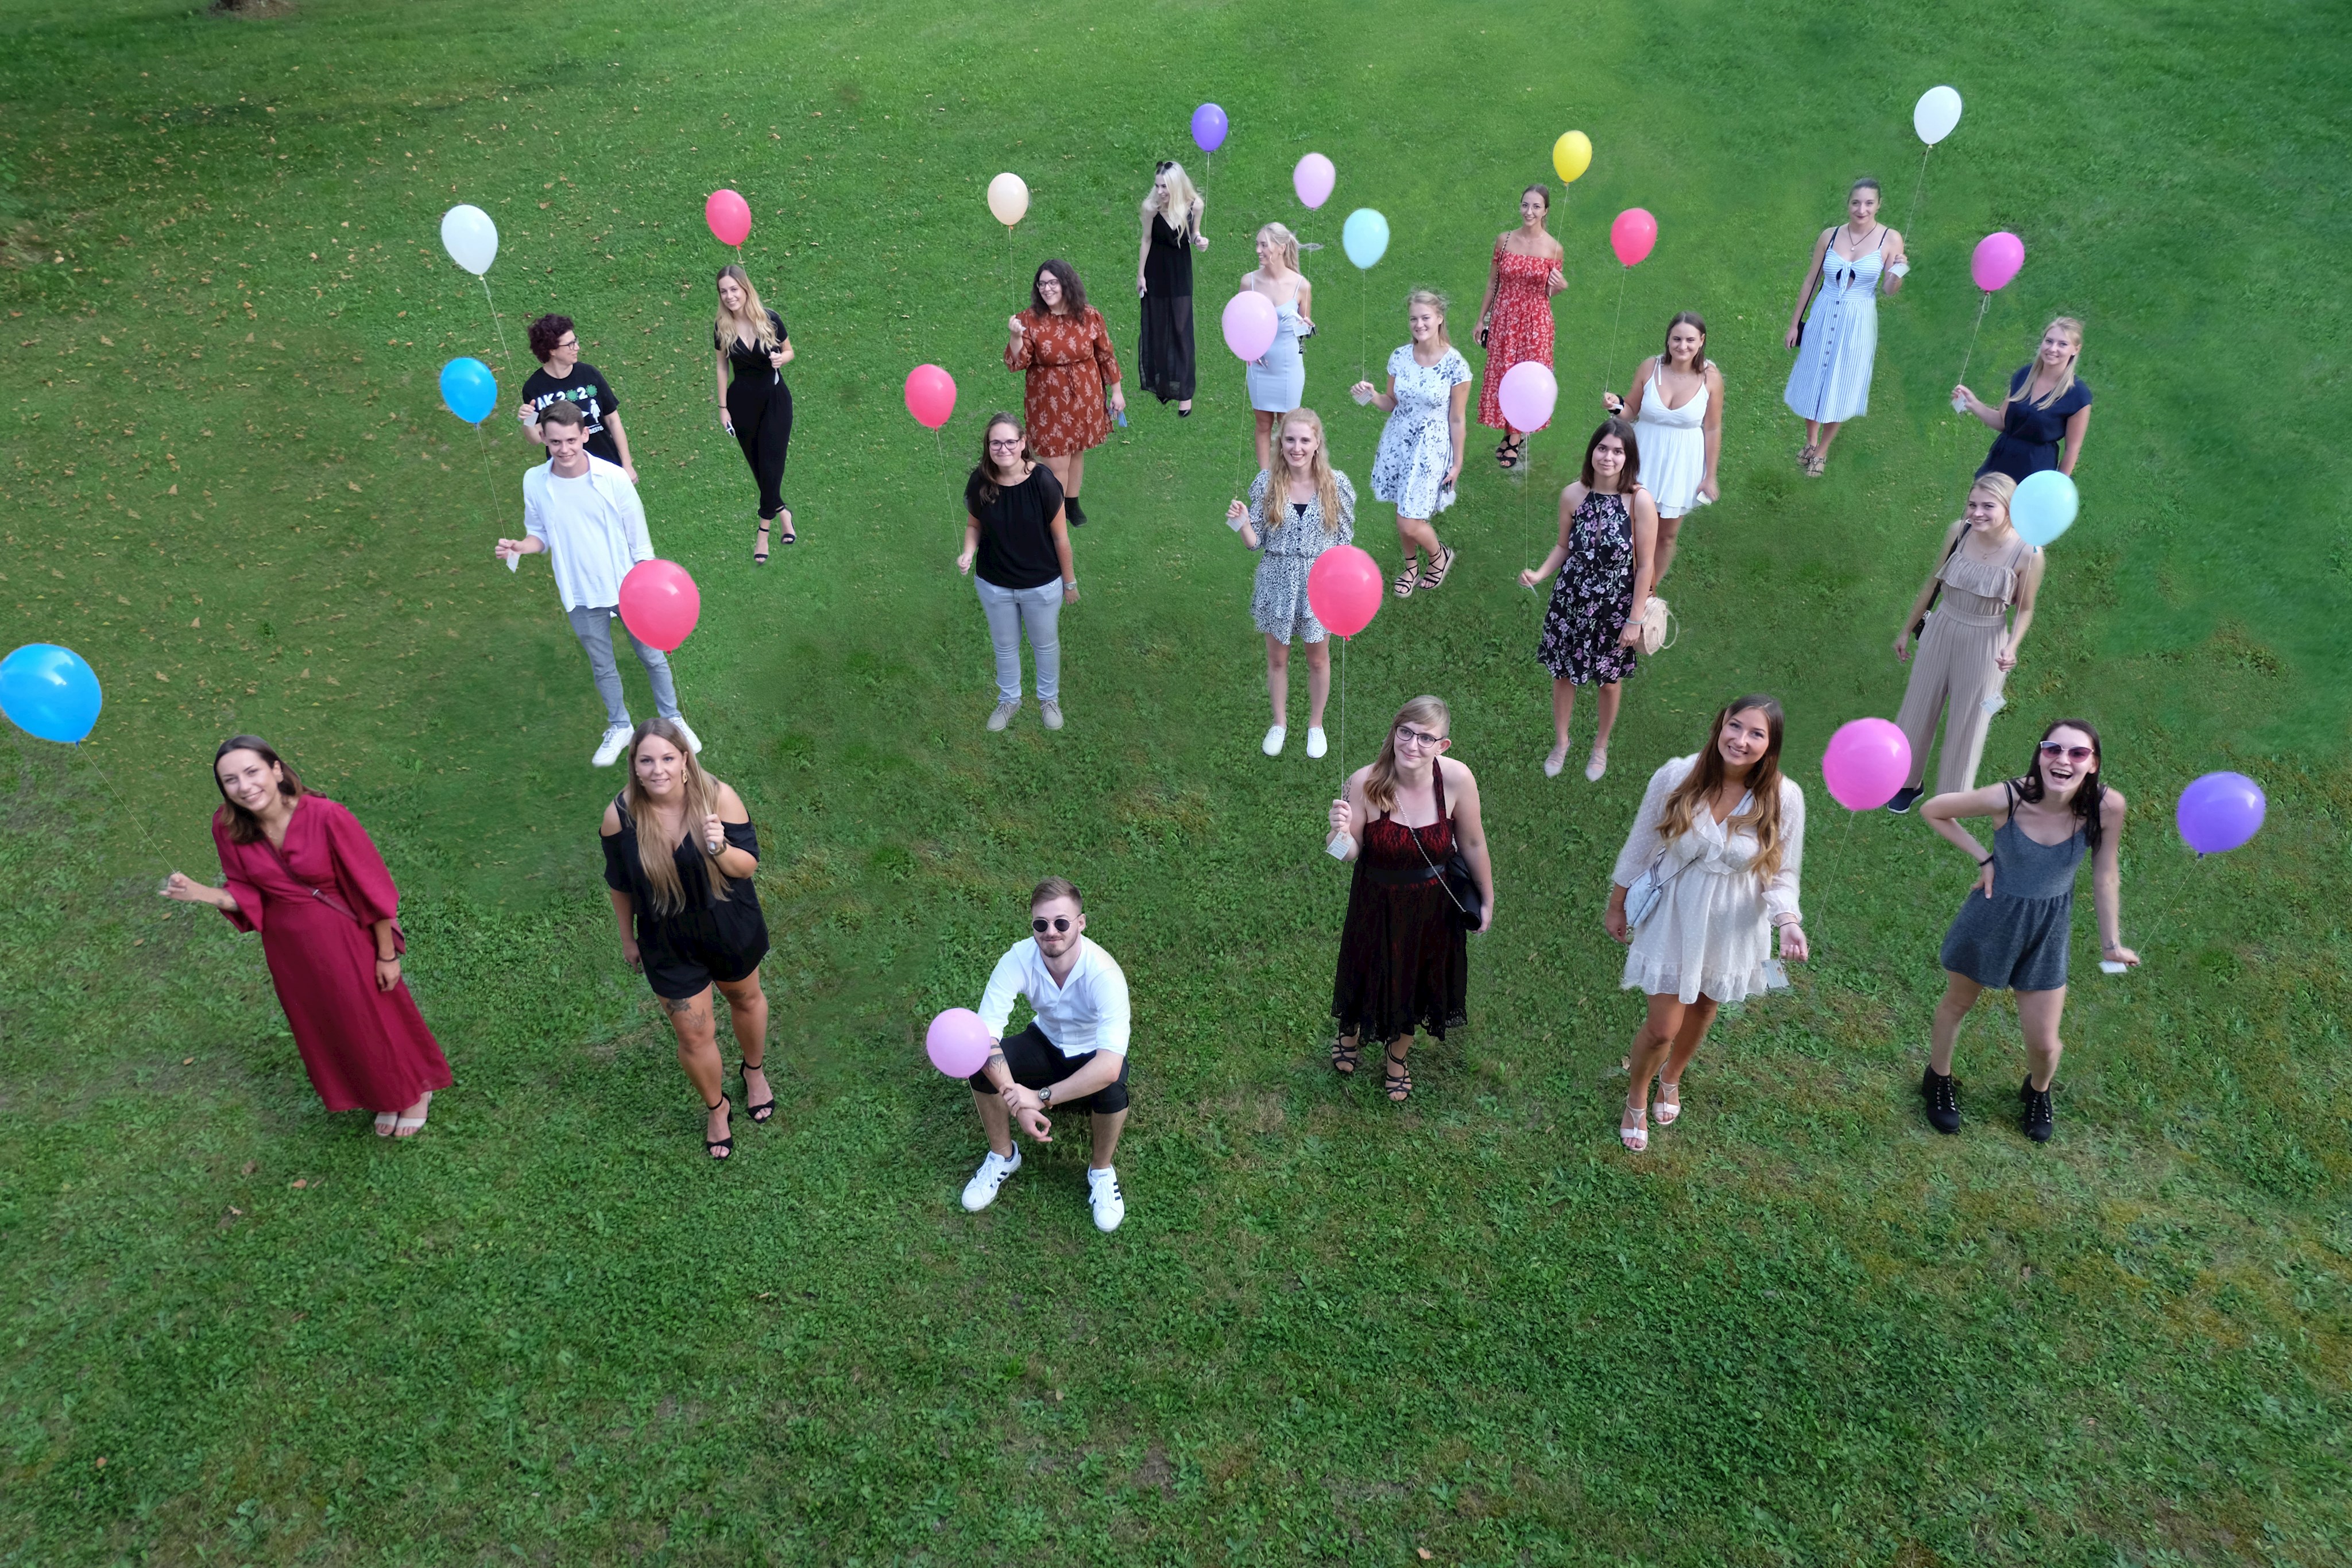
1049, 713
693, 741
1102, 1192
1274, 735
980, 1190
1317, 743
615, 741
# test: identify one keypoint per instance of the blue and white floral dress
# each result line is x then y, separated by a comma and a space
1417, 447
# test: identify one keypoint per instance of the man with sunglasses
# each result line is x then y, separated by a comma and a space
1073, 1054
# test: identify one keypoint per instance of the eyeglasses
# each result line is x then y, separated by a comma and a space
1040, 925
1408, 736
1015, 444
2055, 749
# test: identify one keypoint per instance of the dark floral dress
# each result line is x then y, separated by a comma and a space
1593, 598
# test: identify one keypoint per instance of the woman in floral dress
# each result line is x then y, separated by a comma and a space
1065, 348
1607, 551
1420, 455
1294, 514
1515, 321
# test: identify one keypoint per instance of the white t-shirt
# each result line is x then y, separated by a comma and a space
594, 528
1086, 1012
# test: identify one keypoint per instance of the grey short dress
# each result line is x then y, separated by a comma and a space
2016, 939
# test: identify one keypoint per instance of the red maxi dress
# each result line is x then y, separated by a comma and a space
365, 1050
1518, 326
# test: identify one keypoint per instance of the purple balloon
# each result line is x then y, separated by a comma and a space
1866, 763
2221, 812
1208, 126
958, 1042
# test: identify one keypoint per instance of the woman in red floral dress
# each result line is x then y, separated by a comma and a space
1061, 341
1514, 321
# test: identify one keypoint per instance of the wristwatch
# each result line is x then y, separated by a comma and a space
1046, 1097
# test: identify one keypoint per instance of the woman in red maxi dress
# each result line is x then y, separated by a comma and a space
1515, 319
303, 872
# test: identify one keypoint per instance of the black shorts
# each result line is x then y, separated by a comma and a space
1036, 1061
685, 953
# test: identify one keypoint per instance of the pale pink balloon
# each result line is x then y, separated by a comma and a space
728, 216
1528, 393
1312, 180
958, 1042
1632, 234
1867, 761
1998, 257
1250, 324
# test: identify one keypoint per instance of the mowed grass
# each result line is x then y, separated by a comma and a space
1801, 1330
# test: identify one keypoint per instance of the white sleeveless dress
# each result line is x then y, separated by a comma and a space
1831, 380
1672, 445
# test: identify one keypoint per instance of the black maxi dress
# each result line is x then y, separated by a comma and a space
760, 406
1166, 351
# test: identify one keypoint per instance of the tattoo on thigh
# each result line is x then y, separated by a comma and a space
678, 1005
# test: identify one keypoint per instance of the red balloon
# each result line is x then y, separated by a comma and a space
659, 603
1632, 234
1343, 589
931, 395
728, 216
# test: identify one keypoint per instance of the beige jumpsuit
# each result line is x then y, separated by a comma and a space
1954, 664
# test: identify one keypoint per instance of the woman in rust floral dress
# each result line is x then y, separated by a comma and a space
1061, 341
1514, 321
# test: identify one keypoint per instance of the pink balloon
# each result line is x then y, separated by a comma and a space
930, 396
1998, 256
1250, 324
1343, 589
728, 216
1312, 180
1632, 234
659, 603
1528, 393
1867, 761
958, 1042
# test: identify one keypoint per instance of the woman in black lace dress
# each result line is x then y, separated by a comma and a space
1606, 559
1163, 279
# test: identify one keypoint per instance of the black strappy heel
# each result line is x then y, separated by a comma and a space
765, 1108
758, 554
722, 1148
1345, 1057
1397, 1081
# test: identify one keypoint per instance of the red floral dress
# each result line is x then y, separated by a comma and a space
1518, 326
1071, 369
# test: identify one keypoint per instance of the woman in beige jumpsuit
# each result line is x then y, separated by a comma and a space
1969, 641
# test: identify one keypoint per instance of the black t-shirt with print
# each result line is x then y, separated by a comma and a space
587, 390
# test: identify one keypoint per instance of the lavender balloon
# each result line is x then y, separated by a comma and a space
2221, 812
958, 1042
1209, 128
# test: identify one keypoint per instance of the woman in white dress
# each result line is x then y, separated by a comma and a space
1853, 263
1677, 414
1277, 378
1420, 455
1722, 834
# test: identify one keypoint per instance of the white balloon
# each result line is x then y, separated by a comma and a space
1008, 199
1938, 113
469, 237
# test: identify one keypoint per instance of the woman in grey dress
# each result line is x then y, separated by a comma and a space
2014, 937
1295, 512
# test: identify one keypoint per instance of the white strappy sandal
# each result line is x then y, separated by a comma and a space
1635, 1139
1668, 1109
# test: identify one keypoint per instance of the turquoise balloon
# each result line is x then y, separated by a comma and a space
469, 389
2043, 506
1365, 238
49, 692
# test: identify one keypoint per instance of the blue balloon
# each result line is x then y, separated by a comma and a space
469, 389
1365, 238
2043, 506
49, 692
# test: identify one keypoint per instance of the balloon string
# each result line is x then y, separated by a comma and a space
1343, 714
1972, 338
489, 474
505, 358
1613, 331
124, 807
1364, 327
1920, 189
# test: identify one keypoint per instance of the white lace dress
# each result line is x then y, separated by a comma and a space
1712, 930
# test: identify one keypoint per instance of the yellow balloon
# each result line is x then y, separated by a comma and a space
1008, 199
1572, 155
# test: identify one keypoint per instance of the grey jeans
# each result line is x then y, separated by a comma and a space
1038, 608
593, 627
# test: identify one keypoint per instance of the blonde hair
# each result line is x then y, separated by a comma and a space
1762, 783
1380, 784
2074, 330
1436, 301
1177, 206
1286, 243
728, 327
701, 791
1318, 474
2000, 487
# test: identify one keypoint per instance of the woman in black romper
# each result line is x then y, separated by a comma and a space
755, 407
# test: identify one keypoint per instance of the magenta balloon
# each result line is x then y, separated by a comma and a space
1632, 234
2221, 812
1998, 257
728, 216
1250, 324
1867, 761
958, 1042
1528, 393
659, 603
1312, 180
1343, 589
931, 395
1208, 128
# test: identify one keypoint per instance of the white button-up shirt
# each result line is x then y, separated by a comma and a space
594, 528
1086, 1012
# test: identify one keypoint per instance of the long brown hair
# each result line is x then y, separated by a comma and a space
1073, 293
1710, 773
1380, 784
2088, 798
701, 799
727, 327
244, 827
1629, 478
1318, 474
1666, 344
984, 476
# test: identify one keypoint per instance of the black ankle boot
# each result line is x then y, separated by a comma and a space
1074, 512
2038, 1118
1943, 1098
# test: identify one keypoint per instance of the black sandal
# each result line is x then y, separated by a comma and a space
1433, 575
1345, 1057
790, 535
1509, 455
723, 1148
765, 1108
1398, 1082
759, 550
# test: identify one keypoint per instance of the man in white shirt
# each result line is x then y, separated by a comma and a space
1072, 1055
583, 512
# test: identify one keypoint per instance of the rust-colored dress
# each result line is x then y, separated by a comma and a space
365, 1050
1071, 369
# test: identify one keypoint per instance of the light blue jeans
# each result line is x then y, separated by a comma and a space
1038, 608
593, 627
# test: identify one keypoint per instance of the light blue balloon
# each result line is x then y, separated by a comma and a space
1365, 238
2043, 506
469, 389
49, 692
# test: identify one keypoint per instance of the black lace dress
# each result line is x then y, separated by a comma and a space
1165, 353
1404, 959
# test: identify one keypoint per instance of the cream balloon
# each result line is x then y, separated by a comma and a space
469, 237
1008, 198
1938, 113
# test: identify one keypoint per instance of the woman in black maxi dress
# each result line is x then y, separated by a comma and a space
1164, 279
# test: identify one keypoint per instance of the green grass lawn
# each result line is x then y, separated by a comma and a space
1803, 1329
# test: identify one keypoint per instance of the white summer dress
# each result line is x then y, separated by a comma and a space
1711, 931
1831, 380
1672, 445
1417, 445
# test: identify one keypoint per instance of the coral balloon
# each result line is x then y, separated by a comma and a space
1998, 257
1343, 589
1572, 155
1312, 180
469, 389
659, 603
1938, 111
2043, 506
2221, 812
958, 1042
1208, 128
730, 217
1632, 234
49, 692
930, 396
1365, 238
1867, 761
1250, 324
1528, 393
1008, 198
469, 237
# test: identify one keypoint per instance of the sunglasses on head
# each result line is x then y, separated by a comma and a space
1040, 925
1164, 165
2055, 749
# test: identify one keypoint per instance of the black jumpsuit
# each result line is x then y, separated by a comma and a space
760, 406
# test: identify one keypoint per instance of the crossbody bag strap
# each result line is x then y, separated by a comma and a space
399, 937
1936, 593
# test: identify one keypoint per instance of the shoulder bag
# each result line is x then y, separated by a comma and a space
399, 937
1936, 593
1461, 887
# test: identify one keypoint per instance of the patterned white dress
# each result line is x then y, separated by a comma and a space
1417, 446
1711, 931
1291, 544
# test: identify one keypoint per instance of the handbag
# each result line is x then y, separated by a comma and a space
1642, 898
399, 937
1461, 887
1656, 619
